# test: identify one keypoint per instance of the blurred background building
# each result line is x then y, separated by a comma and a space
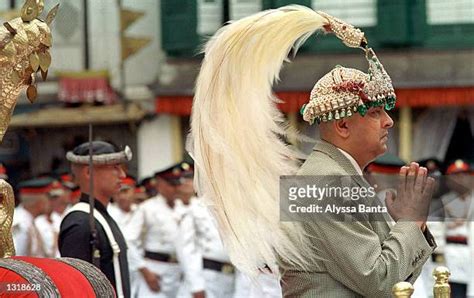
129, 67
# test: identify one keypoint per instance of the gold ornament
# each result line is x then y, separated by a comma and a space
402, 290
31, 93
52, 14
24, 45
29, 11
34, 61
44, 60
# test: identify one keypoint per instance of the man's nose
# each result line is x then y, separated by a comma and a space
121, 172
388, 122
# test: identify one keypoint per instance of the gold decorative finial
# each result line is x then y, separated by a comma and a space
24, 50
52, 14
30, 11
40, 4
441, 288
7, 204
402, 290
350, 36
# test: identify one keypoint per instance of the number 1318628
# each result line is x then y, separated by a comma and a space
18, 287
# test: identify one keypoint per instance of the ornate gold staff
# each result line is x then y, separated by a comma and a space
24, 51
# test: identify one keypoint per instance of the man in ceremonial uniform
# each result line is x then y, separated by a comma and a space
33, 196
48, 224
236, 125
109, 250
385, 253
160, 270
128, 217
200, 249
207, 267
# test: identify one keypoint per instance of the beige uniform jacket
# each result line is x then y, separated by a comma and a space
356, 259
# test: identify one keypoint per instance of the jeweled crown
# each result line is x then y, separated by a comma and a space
345, 91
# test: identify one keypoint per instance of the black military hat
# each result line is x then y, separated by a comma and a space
148, 181
103, 153
171, 174
37, 186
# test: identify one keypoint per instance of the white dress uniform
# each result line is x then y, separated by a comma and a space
130, 223
26, 237
459, 256
159, 232
205, 262
48, 227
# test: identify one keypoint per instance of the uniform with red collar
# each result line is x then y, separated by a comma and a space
34, 202
129, 221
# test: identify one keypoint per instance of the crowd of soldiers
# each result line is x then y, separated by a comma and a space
174, 247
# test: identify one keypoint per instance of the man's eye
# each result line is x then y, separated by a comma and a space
375, 111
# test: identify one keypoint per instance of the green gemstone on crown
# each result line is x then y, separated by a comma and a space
302, 109
362, 109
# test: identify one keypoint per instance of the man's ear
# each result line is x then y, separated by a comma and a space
341, 127
86, 172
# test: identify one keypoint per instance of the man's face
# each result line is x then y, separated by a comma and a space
125, 199
370, 133
107, 179
166, 189
186, 187
185, 190
43, 205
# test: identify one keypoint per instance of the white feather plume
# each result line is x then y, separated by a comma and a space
236, 134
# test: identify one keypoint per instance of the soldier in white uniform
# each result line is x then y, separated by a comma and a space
206, 262
48, 224
207, 265
33, 202
128, 217
160, 271
458, 209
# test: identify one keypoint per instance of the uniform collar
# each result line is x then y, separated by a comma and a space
97, 204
